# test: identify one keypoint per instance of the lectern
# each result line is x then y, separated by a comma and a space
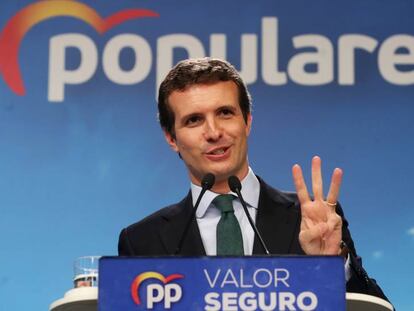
220, 283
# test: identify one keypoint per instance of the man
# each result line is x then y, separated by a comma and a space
205, 113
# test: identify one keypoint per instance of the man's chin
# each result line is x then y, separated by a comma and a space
222, 175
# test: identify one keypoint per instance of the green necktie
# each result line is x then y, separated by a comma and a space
229, 236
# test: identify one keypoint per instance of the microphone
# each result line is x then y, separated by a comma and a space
235, 186
206, 184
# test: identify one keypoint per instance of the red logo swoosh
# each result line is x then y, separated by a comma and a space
17, 27
150, 275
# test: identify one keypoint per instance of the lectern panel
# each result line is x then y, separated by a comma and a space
222, 283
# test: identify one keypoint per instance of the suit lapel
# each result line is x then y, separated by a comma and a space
278, 220
173, 228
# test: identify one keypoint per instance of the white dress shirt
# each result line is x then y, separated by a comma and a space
208, 215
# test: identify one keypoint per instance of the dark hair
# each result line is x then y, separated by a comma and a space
198, 71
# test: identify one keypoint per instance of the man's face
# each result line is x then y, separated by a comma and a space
210, 132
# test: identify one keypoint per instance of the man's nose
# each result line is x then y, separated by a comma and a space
212, 131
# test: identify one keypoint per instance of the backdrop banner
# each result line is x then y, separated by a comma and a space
82, 154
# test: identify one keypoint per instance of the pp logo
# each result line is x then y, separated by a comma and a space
156, 292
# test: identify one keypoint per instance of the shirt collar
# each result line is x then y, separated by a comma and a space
250, 192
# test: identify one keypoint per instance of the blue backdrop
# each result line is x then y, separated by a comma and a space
82, 154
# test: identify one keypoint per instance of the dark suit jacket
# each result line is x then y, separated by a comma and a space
278, 220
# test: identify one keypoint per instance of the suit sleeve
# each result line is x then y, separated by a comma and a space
124, 245
359, 281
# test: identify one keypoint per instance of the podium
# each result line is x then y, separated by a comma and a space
220, 283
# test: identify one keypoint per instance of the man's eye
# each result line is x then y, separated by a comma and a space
192, 120
226, 112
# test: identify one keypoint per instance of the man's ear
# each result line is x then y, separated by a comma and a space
171, 141
249, 124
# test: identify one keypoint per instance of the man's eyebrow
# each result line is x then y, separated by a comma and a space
229, 107
190, 115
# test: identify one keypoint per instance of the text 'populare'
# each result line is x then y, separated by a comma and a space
312, 62
263, 289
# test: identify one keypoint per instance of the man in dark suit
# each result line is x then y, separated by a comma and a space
205, 112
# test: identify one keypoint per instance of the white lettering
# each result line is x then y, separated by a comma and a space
242, 283
270, 53
346, 55
313, 301
286, 300
389, 58
313, 66
266, 279
272, 301
322, 58
212, 283
173, 293
248, 69
155, 293
229, 279
143, 59
247, 301
59, 76
281, 275
212, 303
230, 301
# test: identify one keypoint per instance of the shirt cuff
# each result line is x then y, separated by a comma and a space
348, 268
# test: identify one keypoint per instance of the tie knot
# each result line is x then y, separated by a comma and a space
224, 202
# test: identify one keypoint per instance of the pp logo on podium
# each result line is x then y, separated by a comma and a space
165, 290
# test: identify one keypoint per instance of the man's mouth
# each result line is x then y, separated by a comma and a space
218, 151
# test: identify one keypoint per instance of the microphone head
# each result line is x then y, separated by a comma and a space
234, 183
208, 181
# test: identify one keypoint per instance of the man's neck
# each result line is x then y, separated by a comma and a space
221, 187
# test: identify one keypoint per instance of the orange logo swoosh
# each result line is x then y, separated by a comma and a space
150, 275
17, 27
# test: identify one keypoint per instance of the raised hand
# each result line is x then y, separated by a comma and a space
321, 227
